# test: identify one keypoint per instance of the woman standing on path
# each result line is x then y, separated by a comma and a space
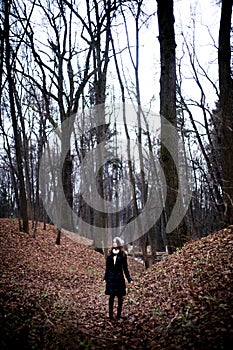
116, 268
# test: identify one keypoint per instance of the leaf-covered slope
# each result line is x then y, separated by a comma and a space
52, 297
188, 298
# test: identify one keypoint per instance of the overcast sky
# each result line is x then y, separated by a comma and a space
197, 19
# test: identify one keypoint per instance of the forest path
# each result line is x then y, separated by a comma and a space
52, 297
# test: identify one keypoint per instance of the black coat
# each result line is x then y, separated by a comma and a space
114, 274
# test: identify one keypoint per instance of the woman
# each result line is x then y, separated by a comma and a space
116, 268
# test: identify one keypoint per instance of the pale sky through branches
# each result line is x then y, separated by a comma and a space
198, 22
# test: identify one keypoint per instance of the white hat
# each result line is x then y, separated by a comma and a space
119, 241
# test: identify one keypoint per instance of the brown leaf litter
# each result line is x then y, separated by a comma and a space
52, 297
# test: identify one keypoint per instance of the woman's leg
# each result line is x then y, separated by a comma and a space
119, 308
111, 303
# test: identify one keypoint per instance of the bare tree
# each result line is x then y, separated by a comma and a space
226, 109
15, 109
166, 20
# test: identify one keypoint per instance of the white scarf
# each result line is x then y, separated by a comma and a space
114, 259
115, 252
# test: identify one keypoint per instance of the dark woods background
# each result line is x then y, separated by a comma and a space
60, 57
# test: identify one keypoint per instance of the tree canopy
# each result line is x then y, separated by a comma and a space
59, 59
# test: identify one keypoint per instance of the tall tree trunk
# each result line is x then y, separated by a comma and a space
168, 112
226, 108
18, 142
100, 55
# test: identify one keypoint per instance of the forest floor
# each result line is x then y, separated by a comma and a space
52, 297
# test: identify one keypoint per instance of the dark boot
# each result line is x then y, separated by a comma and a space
111, 303
119, 307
